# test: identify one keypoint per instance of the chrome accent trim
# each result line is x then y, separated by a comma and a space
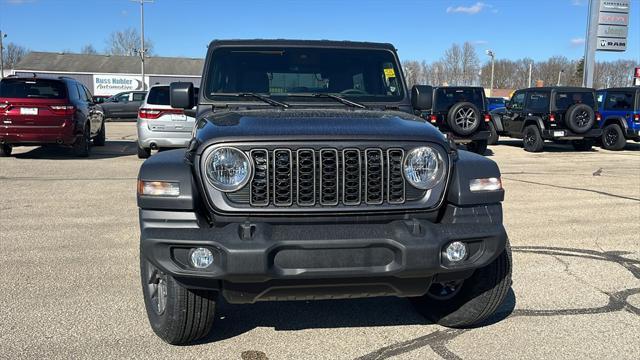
290, 202
266, 203
335, 151
344, 178
404, 192
313, 156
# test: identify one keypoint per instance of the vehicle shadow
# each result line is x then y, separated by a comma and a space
112, 149
559, 147
234, 320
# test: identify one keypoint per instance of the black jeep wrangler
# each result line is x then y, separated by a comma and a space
308, 177
460, 112
550, 113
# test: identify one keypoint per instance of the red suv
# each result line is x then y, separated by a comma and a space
38, 110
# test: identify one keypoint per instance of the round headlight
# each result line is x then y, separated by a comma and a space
228, 169
423, 167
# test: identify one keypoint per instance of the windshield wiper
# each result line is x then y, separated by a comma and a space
265, 99
337, 98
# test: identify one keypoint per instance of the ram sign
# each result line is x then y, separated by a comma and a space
111, 84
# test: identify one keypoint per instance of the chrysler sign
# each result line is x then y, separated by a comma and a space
111, 84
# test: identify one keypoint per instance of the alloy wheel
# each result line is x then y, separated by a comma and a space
465, 118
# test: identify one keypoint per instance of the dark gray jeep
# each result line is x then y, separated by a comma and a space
309, 177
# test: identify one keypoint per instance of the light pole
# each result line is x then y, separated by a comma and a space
559, 75
493, 58
142, 51
529, 79
2, 36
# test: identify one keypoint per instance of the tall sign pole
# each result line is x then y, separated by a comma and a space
142, 50
607, 30
590, 44
2, 35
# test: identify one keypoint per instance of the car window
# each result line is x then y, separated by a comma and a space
88, 93
159, 95
83, 93
565, 99
619, 101
123, 97
359, 74
33, 89
517, 101
538, 101
600, 99
138, 96
74, 93
447, 97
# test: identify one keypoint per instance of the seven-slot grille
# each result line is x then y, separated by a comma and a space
308, 177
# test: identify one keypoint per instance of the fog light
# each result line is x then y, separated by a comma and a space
201, 257
456, 251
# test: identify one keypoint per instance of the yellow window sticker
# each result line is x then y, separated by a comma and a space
389, 73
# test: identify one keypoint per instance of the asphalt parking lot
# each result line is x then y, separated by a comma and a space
70, 288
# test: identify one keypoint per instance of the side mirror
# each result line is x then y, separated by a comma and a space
422, 97
181, 95
508, 105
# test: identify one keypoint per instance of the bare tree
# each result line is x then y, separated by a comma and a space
452, 61
470, 64
12, 55
127, 42
88, 49
412, 72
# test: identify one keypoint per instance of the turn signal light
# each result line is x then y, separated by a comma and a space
433, 119
636, 117
487, 117
158, 188
552, 117
598, 116
486, 184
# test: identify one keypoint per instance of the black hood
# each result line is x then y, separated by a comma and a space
320, 125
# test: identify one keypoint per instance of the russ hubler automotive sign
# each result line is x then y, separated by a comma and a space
111, 84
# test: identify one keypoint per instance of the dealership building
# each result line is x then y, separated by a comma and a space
107, 75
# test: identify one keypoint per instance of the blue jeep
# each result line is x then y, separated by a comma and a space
620, 111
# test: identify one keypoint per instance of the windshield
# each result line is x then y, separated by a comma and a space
359, 75
32, 89
447, 97
565, 99
497, 101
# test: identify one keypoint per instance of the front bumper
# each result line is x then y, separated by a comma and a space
162, 139
262, 261
566, 134
36, 135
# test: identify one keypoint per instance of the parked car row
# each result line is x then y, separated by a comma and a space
581, 116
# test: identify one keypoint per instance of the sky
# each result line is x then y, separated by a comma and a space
420, 30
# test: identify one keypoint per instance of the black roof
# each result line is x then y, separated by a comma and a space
559, 88
628, 88
458, 87
311, 43
116, 64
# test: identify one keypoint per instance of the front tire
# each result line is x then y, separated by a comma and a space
143, 153
468, 302
493, 134
613, 137
532, 139
101, 138
477, 146
81, 147
176, 314
6, 150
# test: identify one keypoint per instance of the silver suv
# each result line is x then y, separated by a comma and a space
160, 125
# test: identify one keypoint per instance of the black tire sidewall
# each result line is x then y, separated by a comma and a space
82, 147
537, 146
101, 137
493, 134
6, 150
478, 146
620, 142
451, 119
143, 153
571, 118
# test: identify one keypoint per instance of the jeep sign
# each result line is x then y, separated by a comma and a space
111, 84
611, 44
